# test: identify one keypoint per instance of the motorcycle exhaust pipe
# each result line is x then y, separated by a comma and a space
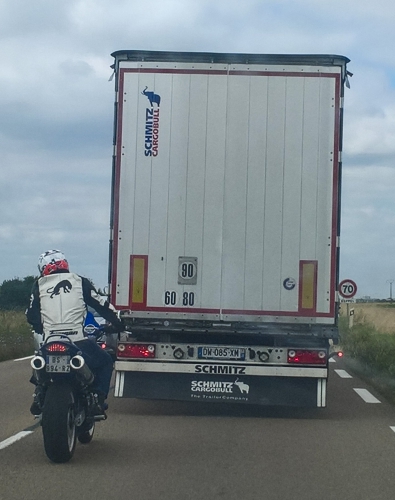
37, 363
39, 373
78, 364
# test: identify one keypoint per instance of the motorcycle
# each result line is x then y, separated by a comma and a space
64, 395
98, 331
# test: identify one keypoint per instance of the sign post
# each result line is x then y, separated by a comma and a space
347, 290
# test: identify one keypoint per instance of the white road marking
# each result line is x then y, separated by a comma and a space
331, 360
13, 439
27, 357
392, 427
366, 396
343, 374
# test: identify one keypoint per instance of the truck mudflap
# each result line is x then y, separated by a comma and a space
266, 391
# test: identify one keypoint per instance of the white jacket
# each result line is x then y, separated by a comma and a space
59, 303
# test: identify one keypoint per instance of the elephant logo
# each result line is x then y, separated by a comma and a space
244, 388
152, 97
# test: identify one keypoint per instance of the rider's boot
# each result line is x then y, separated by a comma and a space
38, 401
100, 404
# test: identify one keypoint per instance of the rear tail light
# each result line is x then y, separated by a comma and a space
136, 351
302, 356
56, 347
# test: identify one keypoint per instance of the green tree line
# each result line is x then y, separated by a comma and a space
15, 293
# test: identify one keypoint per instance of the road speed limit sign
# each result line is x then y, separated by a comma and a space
347, 289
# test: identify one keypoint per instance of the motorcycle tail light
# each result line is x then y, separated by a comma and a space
136, 351
56, 347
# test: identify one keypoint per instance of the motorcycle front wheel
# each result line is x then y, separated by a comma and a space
58, 423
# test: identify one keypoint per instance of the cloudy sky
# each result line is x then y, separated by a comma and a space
56, 106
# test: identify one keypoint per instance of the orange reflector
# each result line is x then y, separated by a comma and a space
138, 281
308, 285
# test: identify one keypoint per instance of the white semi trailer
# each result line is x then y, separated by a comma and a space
225, 225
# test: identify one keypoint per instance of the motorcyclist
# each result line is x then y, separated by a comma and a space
58, 304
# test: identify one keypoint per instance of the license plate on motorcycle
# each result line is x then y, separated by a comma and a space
58, 364
234, 353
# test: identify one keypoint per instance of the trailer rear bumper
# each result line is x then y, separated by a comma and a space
274, 386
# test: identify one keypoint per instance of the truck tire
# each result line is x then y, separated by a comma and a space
58, 423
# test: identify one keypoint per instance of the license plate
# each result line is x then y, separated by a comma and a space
235, 353
58, 364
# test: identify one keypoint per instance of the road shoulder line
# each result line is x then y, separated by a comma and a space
13, 439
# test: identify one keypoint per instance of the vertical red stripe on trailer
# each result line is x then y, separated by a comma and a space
138, 281
308, 286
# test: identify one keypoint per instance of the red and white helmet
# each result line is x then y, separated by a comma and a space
52, 261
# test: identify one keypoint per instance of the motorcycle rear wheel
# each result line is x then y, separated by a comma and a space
58, 423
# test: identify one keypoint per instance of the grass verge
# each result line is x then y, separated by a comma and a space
16, 339
370, 353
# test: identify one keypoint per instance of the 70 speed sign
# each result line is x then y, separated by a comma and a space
347, 289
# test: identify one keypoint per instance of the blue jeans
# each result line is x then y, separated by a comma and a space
100, 362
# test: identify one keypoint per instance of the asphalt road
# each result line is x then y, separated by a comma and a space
170, 451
